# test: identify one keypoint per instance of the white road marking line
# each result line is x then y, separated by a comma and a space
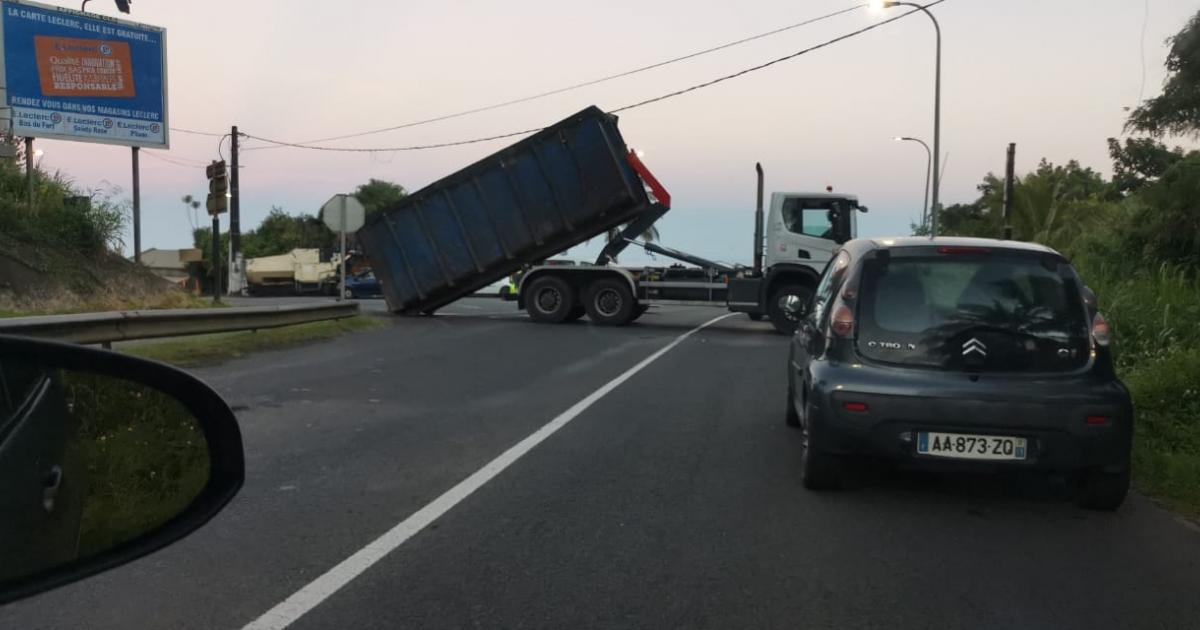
317, 591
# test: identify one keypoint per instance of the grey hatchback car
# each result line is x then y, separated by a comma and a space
958, 353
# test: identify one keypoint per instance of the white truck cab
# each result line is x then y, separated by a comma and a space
806, 228
801, 232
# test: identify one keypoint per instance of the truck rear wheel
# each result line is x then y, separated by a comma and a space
609, 302
550, 300
783, 322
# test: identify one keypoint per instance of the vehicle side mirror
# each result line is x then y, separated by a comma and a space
794, 307
863, 209
104, 458
1089, 298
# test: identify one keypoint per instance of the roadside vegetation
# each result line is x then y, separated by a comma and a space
1136, 241
62, 256
209, 349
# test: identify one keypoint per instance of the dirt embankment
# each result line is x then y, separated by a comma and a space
38, 279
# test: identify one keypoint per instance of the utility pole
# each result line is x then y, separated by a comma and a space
1009, 167
235, 217
29, 170
137, 209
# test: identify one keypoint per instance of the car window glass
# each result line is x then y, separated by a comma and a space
17, 380
921, 311
812, 217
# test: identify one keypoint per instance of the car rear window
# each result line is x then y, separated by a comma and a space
977, 312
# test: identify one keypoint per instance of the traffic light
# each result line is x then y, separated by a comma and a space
218, 188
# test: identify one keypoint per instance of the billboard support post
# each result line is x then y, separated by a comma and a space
137, 209
29, 170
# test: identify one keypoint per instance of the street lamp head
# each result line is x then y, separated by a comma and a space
898, 138
879, 5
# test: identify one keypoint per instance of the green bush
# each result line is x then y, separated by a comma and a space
88, 222
1166, 395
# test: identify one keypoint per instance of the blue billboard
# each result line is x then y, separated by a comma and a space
80, 76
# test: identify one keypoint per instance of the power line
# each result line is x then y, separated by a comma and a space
619, 109
170, 160
280, 143
584, 84
197, 133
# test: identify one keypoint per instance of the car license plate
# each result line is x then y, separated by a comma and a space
964, 446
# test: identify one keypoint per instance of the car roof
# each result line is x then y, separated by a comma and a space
950, 241
815, 195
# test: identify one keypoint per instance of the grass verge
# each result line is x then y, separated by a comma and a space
166, 300
208, 349
1166, 453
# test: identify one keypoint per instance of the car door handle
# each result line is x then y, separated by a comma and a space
803, 253
50, 486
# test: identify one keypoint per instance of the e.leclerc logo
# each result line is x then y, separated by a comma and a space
154, 128
105, 50
56, 118
108, 123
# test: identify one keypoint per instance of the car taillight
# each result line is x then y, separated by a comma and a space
858, 407
1101, 333
1097, 419
842, 322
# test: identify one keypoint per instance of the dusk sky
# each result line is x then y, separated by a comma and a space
1051, 75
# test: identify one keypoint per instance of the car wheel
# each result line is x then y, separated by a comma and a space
784, 322
1100, 490
348, 294
818, 470
793, 418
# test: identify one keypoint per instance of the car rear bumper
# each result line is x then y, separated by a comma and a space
1052, 414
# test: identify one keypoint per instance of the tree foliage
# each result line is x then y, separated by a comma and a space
1139, 161
281, 232
1051, 205
1177, 110
378, 195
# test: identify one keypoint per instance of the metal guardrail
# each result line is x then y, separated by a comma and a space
105, 328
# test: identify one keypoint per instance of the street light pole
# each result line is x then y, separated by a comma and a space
928, 172
937, 107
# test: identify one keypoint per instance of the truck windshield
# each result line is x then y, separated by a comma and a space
977, 313
817, 217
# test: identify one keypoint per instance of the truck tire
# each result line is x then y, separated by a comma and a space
549, 300
755, 316
609, 302
784, 323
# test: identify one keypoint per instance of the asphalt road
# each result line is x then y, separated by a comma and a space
673, 501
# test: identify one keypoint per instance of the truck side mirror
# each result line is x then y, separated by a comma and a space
863, 209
